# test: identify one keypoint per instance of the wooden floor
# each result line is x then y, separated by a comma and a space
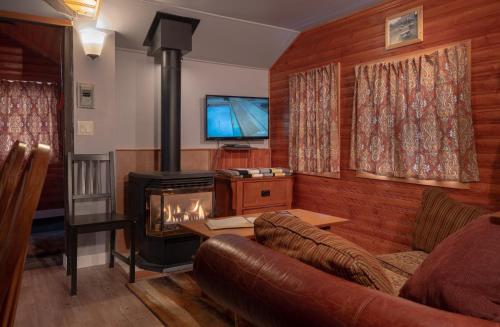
102, 300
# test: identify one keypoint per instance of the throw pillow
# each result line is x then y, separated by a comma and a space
438, 217
290, 235
462, 274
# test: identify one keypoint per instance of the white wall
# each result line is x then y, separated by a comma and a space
137, 88
100, 72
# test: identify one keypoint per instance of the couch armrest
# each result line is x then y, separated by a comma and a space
268, 288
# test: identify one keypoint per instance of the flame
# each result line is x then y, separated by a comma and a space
178, 209
169, 217
196, 206
201, 213
185, 216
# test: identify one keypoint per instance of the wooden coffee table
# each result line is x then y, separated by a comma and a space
316, 219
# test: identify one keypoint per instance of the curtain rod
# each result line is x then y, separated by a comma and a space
24, 81
420, 52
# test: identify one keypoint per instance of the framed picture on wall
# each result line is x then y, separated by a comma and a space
85, 96
404, 28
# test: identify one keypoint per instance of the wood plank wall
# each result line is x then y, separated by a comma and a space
382, 213
18, 62
223, 159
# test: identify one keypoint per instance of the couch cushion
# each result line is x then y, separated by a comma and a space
396, 279
288, 234
402, 263
462, 274
438, 217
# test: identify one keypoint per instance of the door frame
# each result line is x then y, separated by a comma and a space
67, 128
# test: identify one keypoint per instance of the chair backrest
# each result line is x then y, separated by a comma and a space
91, 177
10, 175
14, 240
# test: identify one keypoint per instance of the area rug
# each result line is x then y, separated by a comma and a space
177, 301
45, 250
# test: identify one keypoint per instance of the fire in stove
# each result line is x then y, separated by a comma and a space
194, 212
166, 208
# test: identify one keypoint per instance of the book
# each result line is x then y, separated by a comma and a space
247, 171
231, 222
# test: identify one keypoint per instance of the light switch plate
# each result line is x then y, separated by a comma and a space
85, 127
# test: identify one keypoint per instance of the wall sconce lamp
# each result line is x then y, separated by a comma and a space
92, 41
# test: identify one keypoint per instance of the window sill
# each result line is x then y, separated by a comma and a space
447, 184
326, 175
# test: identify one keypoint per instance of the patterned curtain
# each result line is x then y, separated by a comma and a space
28, 113
314, 121
412, 118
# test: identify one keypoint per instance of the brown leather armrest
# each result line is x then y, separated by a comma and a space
270, 289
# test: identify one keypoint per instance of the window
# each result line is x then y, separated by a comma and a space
29, 113
412, 117
314, 141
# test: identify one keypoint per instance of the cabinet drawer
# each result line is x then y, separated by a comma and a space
260, 194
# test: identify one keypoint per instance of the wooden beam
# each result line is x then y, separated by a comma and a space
35, 19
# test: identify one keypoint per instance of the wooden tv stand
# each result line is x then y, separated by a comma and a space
239, 196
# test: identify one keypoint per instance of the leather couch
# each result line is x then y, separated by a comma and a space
267, 288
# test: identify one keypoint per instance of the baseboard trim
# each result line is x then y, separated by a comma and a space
89, 260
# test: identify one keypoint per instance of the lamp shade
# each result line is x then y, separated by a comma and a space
92, 41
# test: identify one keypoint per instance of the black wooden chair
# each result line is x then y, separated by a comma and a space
91, 178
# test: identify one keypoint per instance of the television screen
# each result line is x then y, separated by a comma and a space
236, 118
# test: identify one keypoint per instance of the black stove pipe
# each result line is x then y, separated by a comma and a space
169, 38
170, 110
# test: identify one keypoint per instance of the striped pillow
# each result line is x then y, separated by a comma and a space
438, 217
285, 233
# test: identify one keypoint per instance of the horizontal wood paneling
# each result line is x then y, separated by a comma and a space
382, 213
249, 158
23, 58
53, 189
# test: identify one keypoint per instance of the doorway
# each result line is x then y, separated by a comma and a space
34, 102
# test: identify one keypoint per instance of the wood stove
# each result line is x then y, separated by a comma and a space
189, 195
160, 200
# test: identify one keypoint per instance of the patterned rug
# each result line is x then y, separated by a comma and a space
177, 301
45, 250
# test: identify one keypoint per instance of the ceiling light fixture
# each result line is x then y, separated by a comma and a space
92, 41
84, 7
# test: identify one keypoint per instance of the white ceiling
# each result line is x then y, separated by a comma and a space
217, 38
293, 14
252, 33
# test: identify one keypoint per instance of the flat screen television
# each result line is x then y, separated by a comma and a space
236, 118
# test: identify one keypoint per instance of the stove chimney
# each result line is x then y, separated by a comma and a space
169, 38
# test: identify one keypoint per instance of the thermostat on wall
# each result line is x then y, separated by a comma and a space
86, 96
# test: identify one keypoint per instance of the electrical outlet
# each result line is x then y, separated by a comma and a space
85, 127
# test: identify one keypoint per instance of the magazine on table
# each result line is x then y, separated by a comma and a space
231, 222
